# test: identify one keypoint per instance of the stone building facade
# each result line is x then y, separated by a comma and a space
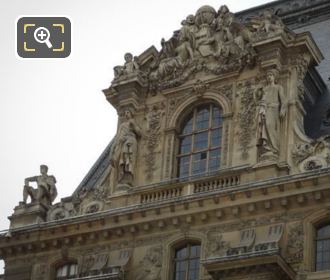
219, 168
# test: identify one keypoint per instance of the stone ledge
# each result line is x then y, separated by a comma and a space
222, 266
319, 275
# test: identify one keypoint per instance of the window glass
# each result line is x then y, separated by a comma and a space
189, 125
322, 246
323, 232
66, 271
215, 137
199, 163
200, 141
216, 117
214, 161
181, 254
185, 146
202, 119
73, 270
184, 163
186, 262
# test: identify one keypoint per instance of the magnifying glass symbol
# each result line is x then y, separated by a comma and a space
41, 35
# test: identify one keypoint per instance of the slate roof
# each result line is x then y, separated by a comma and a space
97, 170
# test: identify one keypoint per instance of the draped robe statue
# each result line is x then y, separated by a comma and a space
124, 151
271, 109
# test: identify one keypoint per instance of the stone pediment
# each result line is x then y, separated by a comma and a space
212, 42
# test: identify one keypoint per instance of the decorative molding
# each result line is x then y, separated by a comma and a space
295, 245
154, 117
246, 116
313, 155
151, 265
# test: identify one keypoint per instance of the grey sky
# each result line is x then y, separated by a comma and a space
53, 111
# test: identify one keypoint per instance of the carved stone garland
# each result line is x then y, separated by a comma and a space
246, 116
295, 246
154, 120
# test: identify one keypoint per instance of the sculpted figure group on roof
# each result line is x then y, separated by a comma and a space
212, 41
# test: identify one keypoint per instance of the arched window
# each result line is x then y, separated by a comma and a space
186, 262
67, 271
322, 261
200, 141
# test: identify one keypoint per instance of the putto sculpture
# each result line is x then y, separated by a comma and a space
45, 192
129, 67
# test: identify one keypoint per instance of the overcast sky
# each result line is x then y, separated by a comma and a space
53, 111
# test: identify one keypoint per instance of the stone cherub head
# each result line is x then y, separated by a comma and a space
128, 57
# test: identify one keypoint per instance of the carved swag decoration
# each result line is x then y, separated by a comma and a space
210, 41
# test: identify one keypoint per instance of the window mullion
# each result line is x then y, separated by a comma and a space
203, 162
187, 262
192, 142
209, 138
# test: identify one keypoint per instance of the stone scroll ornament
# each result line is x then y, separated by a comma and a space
210, 41
124, 151
45, 192
313, 155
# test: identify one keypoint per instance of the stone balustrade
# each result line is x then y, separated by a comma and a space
161, 195
218, 183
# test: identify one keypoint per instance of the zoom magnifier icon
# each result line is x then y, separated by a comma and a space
42, 35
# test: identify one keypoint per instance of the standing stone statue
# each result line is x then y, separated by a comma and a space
271, 109
45, 192
124, 151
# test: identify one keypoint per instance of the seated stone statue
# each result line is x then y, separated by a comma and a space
45, 192
129, 67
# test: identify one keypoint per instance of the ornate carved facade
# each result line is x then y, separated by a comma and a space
213, 172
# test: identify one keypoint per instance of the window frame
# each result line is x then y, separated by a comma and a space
67, 276
192, 116
316, 239
188, 245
